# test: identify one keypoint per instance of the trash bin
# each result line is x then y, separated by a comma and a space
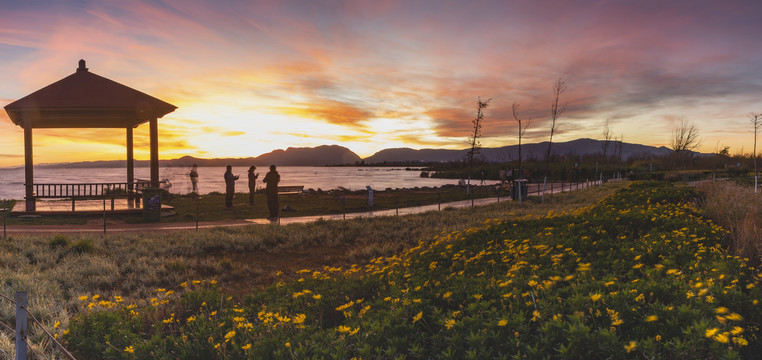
519, 183
151, 204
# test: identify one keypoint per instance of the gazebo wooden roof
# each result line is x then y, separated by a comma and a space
87, 100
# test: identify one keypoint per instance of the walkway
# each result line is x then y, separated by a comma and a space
98, 227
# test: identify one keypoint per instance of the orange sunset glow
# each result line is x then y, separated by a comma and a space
249, 77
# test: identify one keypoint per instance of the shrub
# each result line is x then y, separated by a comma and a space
739, 210
59, 241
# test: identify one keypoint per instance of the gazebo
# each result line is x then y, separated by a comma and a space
87, 100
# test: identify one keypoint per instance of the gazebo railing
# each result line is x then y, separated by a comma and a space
90, 191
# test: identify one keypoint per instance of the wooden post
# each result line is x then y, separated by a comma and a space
29, 166
154, 139
130, 168
21, 325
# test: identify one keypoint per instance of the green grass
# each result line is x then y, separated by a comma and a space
57, 270
638, 275
211, 207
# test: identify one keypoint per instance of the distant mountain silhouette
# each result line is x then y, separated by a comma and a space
293, 156
339, 155
511, 152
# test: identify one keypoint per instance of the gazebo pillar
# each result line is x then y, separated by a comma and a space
154, 139
130, 168
29, 166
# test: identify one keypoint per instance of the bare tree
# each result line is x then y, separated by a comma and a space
685, 138
606, 138
474, 138
522, 130
556, 110
756, 122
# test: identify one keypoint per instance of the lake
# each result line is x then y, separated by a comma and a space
211, 178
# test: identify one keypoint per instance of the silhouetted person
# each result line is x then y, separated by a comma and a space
252, 183
194, 178
229, 186
272, 179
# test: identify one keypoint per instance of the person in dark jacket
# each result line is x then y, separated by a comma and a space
194, 178
229, 186
252, 183
272, 179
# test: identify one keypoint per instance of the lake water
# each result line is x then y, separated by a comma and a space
211, 178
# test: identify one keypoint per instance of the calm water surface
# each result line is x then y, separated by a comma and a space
211, 178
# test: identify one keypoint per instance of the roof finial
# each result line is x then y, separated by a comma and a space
81, 66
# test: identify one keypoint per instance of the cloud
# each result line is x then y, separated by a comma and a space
331, 111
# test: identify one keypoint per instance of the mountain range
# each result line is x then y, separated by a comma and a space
339, 155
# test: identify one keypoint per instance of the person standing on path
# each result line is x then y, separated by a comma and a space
194, 178
229, 186
252, 183
272, 179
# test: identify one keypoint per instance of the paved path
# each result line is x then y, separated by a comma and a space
95, 227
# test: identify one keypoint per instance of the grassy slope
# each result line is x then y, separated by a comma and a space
57, 270
637, 276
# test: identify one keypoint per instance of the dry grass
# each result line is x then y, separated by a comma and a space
738, 209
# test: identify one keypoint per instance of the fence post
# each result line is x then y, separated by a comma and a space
439, 200
21, 329
104, 216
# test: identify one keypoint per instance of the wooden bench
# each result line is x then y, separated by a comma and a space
291, 190
83, 191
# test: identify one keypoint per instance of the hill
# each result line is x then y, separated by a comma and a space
292, 156
339, 155
507, 153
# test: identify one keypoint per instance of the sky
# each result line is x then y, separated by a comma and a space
251, 76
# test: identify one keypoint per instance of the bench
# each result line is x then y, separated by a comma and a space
291, 190
85, 191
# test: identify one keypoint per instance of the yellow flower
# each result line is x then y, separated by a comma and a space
288, 344
246, 347
447, 295
317, 296
345, 306
450, 323
417, 317
721, 310
229, 335
343, 329
734, 317
722, 338
652, 318
595, 297
83, 298
191, 318
57, 324
299, 318
129, 349
502, 323
710, 332
631, 346
736, 330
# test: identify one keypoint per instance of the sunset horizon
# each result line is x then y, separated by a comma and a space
252, 77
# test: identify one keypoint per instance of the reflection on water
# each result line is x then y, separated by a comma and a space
210, 178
